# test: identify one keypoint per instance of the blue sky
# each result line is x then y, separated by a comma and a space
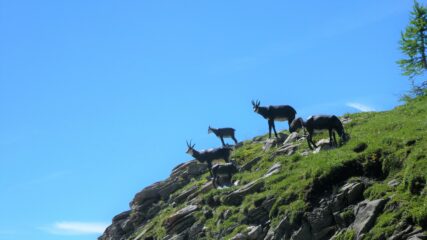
98, 98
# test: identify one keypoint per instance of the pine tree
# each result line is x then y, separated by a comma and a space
413, 44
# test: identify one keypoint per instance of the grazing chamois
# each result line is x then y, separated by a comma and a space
223, 133
209, 155
223, 170
275, 113
320, 122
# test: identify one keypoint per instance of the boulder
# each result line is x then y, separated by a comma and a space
365, 214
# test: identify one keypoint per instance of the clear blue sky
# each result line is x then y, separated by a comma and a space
97, 98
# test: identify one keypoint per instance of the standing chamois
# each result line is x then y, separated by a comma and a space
223, 170
209, 155
275, 113
320, 122
223, 133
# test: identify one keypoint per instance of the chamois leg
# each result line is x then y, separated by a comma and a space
234, 139
274, 128
330, 137
214, 182
269, 128
335, 138
210, 168
310, 139
222, 140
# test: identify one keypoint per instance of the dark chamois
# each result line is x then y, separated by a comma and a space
209, 155
223, 170
320, 122
275, 113
223, 133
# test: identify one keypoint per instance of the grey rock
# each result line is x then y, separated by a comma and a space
254, 232
345, 120
157, 191
283, 228
353, 192
203, 189
338, 202
273, 142
121, 216
196, 231
226, 214
250, 164
291, 138
240, 236
320, 218
323, 144
287, 149
305, 153
189, 169
181, 220
303, 233
180, 198
393, 183
236, 197
269, 143
273, 170
325, 233
366, 212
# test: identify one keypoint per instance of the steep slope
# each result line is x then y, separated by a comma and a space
373, 187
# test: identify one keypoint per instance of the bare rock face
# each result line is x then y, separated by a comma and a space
189, 169
293, 137
273, 170
255, 232
250, 164
287, 149
366, 212
181, 220
323, 144
273, 142
146, 204
236, 197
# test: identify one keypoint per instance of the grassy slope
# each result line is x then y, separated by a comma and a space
389, 136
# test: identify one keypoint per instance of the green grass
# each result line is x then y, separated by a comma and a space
396, 140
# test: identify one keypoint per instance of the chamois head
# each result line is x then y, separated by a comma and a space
209, 129
190, 149
255, 105
296, 124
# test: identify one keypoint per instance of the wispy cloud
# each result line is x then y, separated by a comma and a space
76, 228
360, 107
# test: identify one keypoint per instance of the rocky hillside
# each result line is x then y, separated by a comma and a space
373, 187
